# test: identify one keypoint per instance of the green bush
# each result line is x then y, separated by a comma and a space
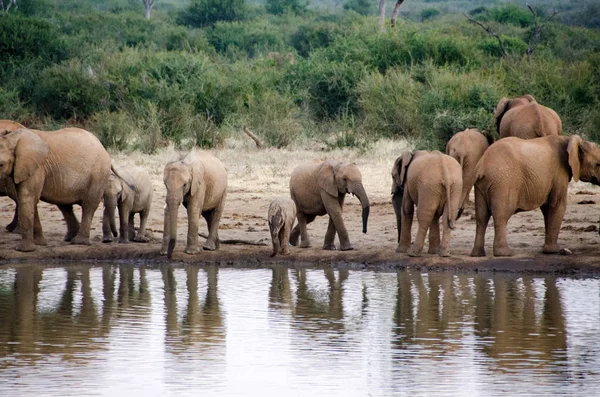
201, 13
510, 13
363, 7
315, 35
429, 13
249, 37
278, 7
513, 45
23, 39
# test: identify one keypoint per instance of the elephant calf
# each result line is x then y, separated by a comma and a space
131, 191
319, 188
433, 182
517, 175
281, 216
467, 147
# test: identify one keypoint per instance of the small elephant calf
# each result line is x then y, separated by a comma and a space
282, 215
131, 191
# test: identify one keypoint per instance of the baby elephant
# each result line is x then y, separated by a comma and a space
131, 191
433, 182
282, 214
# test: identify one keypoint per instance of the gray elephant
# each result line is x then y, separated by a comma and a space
524, 118
281, 216
199, 181
433, 182
131, 191
64, 167
319, 188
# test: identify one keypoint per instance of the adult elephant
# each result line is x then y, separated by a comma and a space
433, 182
64, 167
524, 118
199, 181
467, 147
517, 175
7, 188
320, 188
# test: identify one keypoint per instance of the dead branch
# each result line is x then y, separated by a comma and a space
252, 136
227, 241
395, 12
537, 30
491, 32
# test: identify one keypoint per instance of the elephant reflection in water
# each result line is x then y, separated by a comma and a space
201, 324
280, 293
426, 308
56, 331
520, 331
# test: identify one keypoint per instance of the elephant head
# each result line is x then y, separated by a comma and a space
341, 178
505, 104
182, 180
584, 160
21, 153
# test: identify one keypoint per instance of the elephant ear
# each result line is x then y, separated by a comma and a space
197, 172
503, 106
326, 178
530, 98
30, 152
574, 152
399, 172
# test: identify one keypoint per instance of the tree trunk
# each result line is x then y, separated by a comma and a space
395, 12
381, 13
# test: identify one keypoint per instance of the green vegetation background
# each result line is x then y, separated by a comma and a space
293, 72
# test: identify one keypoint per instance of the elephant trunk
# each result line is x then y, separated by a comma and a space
111, 204
172, 207
359, 190
397, 204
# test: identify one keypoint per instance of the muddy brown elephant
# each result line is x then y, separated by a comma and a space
281, 217
467, 147
131, 192
199, 181
49, 166
319, 188
433, 182
517, 175
524, 118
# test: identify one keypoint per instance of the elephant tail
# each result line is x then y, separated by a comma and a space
449, 211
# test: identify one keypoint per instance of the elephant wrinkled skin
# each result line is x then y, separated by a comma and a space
64, 167
281, 217
433, 182
467, 147
199, 181
517, 175
319, 188
131, 191
524, 118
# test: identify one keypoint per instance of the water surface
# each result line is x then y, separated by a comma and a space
123, 330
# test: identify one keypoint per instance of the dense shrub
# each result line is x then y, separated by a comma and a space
23, 39
248, 37
429, 13
202, 13
510, 13
279, 7
315, 35
363, 7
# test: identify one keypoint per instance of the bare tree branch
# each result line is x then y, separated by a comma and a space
252, 136
381, 13
395, 12
537, 30
491, 32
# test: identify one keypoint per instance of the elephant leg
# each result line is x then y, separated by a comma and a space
13, 226
329, 243
284, 236
482, 218
131, 228
141, 236
446, 234
193, 213
425, 217
408, 210
27, 205
334, 209
434, 235
71, 220
210, 245
295, 235
107, 236
38, 233
553, 217
303, 220
124, 225
88, 208
500, 242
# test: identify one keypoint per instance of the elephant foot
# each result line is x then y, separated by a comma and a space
123, 240
401, 249
80, 240
163, 251
346, 247
141, 239
191, 250
274, 253
476, 252
70, 236
294, 236
415, 252
12, 227
40, 241
285, 252
25, 246
444, 252
209, 246
550, 249
107, 239
305, 245
329, 247
433, 250
503, 251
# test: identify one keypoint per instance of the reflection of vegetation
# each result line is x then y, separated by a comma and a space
140, 84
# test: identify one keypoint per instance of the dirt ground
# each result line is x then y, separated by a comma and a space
256, 177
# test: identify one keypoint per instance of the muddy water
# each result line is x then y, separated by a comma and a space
127, 331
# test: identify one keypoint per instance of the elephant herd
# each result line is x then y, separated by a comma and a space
529, 167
